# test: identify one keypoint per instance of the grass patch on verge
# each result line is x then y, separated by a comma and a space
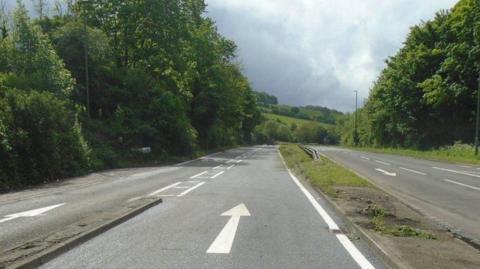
326, 175
458, 153
322, 173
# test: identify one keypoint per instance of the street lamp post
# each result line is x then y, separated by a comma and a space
478, 118
355, 133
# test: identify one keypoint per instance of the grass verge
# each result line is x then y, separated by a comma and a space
331, 178
458, 153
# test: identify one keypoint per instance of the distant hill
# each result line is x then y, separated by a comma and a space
312, 113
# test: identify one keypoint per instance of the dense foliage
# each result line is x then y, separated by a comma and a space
160, 75
264, 98
309, 132
313, 113
426, 96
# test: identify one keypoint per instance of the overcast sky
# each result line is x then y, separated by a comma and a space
317, 52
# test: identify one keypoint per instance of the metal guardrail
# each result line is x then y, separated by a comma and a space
311, 151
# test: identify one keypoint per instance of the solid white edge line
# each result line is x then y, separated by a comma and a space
199, 174
330, 223
413, 171
461, 184
191, 189
385, 163
456, 172
354, 252
164, 189
347, 244
219, 173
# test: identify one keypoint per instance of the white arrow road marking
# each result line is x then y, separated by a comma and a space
30, 213
224, 241
386, 172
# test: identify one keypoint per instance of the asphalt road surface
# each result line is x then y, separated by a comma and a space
237, 209
448, 193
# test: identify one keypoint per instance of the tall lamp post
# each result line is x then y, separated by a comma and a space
355, 133
478, 118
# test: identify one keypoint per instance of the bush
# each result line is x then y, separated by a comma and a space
40, 138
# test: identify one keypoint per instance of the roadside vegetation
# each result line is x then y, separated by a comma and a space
160, 77
425, 98
457, 153
369, 206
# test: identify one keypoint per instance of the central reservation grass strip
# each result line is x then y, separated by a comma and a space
322, 173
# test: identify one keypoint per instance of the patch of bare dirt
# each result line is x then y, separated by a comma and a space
442, 250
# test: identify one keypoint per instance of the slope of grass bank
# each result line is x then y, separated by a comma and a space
322, 173
458, 153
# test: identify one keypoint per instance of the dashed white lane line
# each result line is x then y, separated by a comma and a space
191, 189
164, 189
217, 167
365, 158
217, 174
385, 163
463, 185
231, 166
456, 172
239, 161
413, 171
464, 166
199, 174
230, 161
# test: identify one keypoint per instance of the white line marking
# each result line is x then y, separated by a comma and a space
202, 158
464, 166
239, 161
413, 171
461, 184
181, 187
347, 244
30, 213
199, 174
386, 172
224, 240
231, 166
134, 199
385, 163
365, 158
216, 167
331, 224
191, 189
354, 252
219, 173
457, 172
164, 189
230, 161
